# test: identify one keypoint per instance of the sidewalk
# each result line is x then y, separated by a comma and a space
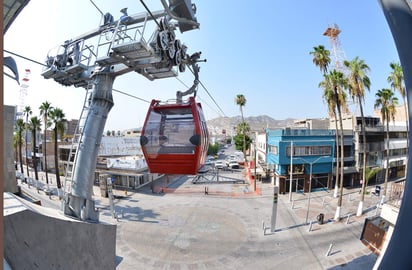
183, 223
342, 237
324, 202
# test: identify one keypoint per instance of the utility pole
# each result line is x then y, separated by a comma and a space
291, 171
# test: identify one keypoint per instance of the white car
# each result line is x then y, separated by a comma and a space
219, 164
232, 164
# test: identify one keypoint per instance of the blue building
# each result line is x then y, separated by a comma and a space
310, 153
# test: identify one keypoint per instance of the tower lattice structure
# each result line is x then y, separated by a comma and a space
23, 93
338, 55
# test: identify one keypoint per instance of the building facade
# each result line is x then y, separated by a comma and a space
277, 156
300, 159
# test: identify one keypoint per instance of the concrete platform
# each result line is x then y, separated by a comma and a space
37, 237
176, 225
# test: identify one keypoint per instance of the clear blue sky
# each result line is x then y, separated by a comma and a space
256, 48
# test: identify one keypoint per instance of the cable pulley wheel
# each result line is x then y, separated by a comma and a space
162, 42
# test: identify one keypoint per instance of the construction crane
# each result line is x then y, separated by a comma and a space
93, 61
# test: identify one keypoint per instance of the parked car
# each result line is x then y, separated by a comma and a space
232, 164
219, 164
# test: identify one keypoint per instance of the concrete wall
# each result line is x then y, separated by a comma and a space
10, 182
36, 237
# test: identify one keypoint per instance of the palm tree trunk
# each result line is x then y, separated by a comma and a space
335, 192
362, 199
45, 155
244, 135
56, 164
341, 176
36, 176
385, 185
45, 158
21, 155
27, 157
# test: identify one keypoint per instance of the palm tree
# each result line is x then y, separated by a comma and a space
242, 130
45, 108
27, 112
241, 101
330, 100
19, 131
16, 148
34, 126
58, 120
396, 79
370, 172
358, 82
339, 84
386, 101
321, 59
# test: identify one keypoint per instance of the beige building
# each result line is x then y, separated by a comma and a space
400, 116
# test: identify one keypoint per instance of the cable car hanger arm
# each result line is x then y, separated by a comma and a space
194, 59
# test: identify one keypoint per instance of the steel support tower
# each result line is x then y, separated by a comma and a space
94, 60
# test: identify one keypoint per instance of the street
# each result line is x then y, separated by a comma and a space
181, 227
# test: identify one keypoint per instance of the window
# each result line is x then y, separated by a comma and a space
273, 150
310, 150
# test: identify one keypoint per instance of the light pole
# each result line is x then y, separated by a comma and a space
255, 167
310, 182
291, 170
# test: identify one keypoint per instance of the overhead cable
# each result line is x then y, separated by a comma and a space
121, 92
214, 101
97, 7
28, 59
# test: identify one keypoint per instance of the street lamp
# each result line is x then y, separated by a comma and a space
291, 170
254, 176
310, 181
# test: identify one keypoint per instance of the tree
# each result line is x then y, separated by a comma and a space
386, 101
58, 124
213, 149
339, 84
19, 127
34, 126
358, 82
238, 141
27, 112
45, 108
242, 139
396, 79
321, 59
241, 101
370, 172
329, 99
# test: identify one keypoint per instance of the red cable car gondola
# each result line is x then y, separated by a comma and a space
174, 138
